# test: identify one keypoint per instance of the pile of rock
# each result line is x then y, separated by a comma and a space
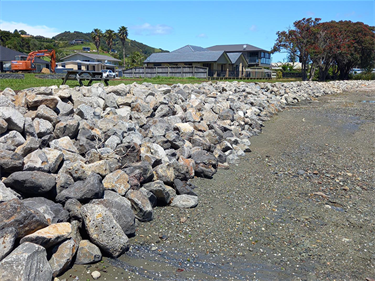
80, 165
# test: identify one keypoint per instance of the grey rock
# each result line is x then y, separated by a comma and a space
14, 118
112, 195
64, 109
67, 128
34, 101
122, 213
63, 181
7, 239
31, 144
128, 153
183, 188
64, 143
139, 173
3, 125
25, 220
29, 128
141, 205
159, 190
46, 113
83, 191
117, 181
112, 142
28, 262
88, 253
151, 197
53, 212
42, 127
206, 163
12, 138
36, 161
85, 112
73, 206
164, 173
10, 161
6, 102
31, 183
62, 256
185, 201
54, 158
103, 229
7, 194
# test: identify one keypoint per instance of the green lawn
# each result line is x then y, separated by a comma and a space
31, 81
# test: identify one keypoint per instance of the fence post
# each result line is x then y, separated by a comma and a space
181, 72
144, 72
156, 71
193, 71
133, 72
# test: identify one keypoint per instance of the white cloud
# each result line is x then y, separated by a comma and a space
253, 28
32, 30
148, 29
202, 35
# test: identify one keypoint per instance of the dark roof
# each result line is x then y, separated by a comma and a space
235, 48
234, 56
93, 56
184, 57
190, 48
7, 54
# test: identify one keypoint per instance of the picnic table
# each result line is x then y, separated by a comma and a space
81, 75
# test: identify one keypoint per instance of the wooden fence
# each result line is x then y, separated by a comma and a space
166, 71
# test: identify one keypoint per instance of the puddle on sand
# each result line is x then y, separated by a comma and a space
148, 263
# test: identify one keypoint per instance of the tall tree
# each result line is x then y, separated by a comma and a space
96, 35
297, 41
109, 36
123, 35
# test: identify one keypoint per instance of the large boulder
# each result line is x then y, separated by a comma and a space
10, 161
88, 253
62, 256
53, 212
160, 191
103, 229
83, 191
28, 262
122, 213
185, 201
117, 181
14, 118
8, 237
50, 235
25, 220
141, 205
7, 194
31, 183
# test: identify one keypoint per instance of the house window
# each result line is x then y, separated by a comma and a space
79, 66
157, 64
188, 64
62, 64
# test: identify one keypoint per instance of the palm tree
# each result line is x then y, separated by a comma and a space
123, 35
109, 36
96, 35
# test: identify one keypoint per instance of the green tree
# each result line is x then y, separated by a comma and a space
96, 35
297, 41
109, 36
123, 35
136, 59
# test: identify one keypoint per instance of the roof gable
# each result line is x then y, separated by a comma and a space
93, 56
235, 48
190, 49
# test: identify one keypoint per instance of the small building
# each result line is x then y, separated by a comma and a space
7, 55
219, 63
254, 56
77, 41
85, 61
86, 49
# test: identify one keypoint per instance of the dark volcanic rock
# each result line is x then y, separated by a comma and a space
28, 262
25, 220
83, 191
10, 161
53, 212
31, 183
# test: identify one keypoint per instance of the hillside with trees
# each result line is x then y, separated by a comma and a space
62, 43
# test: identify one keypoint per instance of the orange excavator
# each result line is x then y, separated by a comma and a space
23, 63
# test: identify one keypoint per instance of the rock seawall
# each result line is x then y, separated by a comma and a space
90, 161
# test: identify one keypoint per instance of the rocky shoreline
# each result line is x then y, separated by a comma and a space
79, 166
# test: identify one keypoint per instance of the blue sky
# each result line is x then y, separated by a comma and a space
172, 24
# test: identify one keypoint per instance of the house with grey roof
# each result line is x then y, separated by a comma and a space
254, 56
219, 63
86, 61
7, 55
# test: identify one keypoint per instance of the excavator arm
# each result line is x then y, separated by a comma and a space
43, 53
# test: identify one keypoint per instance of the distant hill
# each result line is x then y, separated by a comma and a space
131, 46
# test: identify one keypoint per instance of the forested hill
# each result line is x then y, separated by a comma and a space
131, 46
